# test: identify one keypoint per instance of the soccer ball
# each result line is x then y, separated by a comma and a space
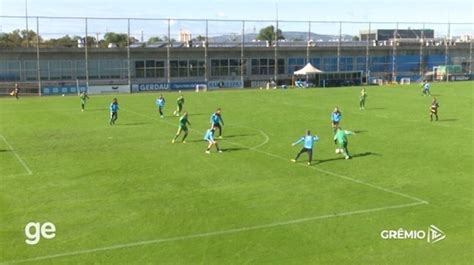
338, 150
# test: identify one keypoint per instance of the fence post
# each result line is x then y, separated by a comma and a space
446, 51
338, 62
367, 56
242, 59
86, 43
129, 77
38, 56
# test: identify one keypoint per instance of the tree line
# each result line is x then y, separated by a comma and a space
23, 38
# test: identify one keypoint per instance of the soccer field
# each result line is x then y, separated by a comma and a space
124, 194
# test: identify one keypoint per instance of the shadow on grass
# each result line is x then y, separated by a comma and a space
237, 135
342, 158
197, 114
233, 149
193, 141
360, 131
375, 109
448, 119
95, 110
4, 150
132, 124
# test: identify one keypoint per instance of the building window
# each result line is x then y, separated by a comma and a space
196, 68
140, 69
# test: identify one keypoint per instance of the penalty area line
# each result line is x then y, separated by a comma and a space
210, 234
17, 156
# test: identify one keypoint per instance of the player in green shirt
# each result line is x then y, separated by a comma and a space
341, 139
84, 97
179, 107
183, 127
363, 96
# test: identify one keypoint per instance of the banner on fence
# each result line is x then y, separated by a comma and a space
225, 84
104, 89
59, 90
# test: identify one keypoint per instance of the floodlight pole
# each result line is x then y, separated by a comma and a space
168, 72
307, 42
129, 71
26, 22
422, 42
38, 65
86, 55
367, 56
446, 51
242, 59
275, 56
338, 65
206, 43
394, 55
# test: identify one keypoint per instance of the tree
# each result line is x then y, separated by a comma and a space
355, 38
154, 40
200, 38
18, 38
121, 40
268, 34
166, 39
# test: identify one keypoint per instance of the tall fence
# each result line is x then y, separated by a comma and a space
89, 51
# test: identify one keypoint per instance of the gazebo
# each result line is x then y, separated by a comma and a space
307, 70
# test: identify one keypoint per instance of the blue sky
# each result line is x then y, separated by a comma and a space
302, 10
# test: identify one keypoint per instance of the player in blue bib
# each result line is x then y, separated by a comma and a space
209, 137
114, 107
308, 141
160, 103
217, 121
336, 117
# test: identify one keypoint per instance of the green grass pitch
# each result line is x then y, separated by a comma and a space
124, 194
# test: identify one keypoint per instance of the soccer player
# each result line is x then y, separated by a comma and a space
341, 139
179, 105
114, 107
160, 102
363, 96
209, 137
216, 120
434, 109
308, 141
336, 117
83, 96
16, 91
426, 89
183, 127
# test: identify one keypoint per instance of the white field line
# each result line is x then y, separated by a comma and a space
209, 234
267, 138
312, 167
22, 162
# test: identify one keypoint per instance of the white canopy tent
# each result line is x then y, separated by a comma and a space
307, 70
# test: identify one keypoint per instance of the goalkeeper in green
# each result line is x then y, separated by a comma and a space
179, 105
340, 139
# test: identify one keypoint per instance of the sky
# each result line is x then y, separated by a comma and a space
455, 11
